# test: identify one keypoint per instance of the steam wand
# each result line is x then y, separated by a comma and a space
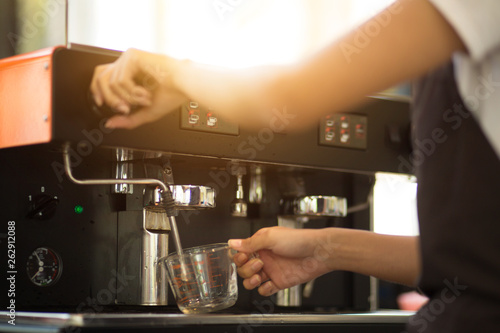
169, 203
139, 181
168, 200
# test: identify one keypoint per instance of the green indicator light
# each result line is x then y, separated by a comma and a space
78, 209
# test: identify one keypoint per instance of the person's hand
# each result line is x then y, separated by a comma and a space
285, 257
137, 80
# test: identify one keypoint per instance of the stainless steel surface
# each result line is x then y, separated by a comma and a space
155, 220
151, 196
238, 206
321, 206
117, 320
185, 196
257, 189
308, 289
290, 297
317, 205
175, 233
124, 170
188, 197
67, 169
154, 285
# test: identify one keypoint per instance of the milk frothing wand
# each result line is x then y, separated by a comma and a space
167, 202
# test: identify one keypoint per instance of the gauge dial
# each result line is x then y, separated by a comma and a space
44, 267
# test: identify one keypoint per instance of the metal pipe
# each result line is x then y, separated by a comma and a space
175, 233
153, 242
143, 181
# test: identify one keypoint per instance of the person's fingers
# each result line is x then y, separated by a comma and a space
235, 244
262, 239
267, 289
161, 105
252, 282
118, 122
102, 88
251, 268
123, 91
94, 87
130, 121
114, 85
124, 87
141, 96
240, 258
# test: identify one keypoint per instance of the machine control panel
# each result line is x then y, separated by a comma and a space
344, 130
197, 118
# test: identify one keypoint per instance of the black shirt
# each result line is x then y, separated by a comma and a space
458, 198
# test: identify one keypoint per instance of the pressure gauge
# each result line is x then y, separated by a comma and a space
44, 267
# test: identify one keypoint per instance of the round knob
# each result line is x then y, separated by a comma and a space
43, 207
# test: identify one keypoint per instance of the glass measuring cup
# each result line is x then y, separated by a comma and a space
207, 282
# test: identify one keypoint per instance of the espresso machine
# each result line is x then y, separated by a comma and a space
86, 203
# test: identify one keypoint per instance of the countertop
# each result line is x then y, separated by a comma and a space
378, 321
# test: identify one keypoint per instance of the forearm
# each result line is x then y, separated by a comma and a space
247, 96
415, 40
392, 258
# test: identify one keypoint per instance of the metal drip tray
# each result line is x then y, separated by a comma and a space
193, 196
373, 322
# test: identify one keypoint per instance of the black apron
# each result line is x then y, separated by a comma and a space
458, 198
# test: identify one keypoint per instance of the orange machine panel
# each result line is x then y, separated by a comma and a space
25, 99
